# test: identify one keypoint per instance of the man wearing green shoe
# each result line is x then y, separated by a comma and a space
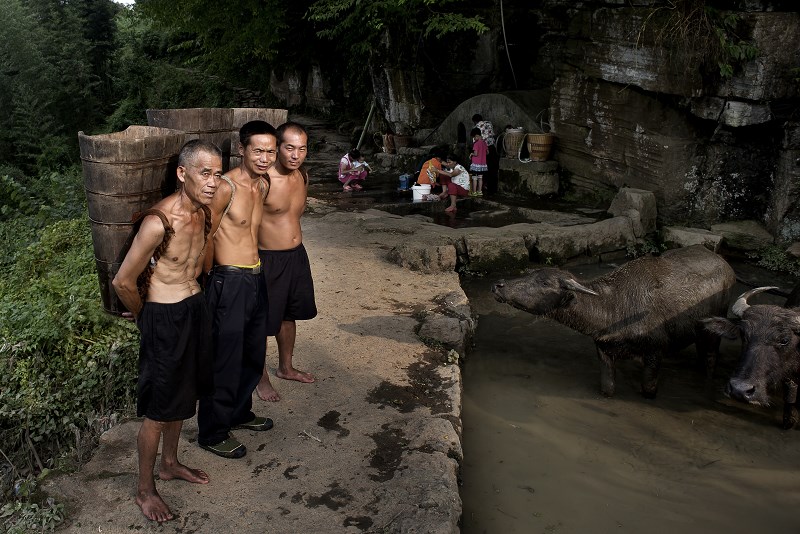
237, 296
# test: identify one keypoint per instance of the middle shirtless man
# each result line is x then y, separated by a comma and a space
237, 296
280, 243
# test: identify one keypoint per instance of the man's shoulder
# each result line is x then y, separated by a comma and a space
276, 174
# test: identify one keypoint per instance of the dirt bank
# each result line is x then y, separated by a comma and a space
372, 446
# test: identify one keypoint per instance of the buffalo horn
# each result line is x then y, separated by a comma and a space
575, 286
741, 305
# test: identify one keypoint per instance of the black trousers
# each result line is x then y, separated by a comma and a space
238, 305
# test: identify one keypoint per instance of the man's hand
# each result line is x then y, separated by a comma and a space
128, 316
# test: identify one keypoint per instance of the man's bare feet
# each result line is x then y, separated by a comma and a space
294, 374
181, 472
265, 391
153, 507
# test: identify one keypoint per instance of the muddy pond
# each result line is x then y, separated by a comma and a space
545, 452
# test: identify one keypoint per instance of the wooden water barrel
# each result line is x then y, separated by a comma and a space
512, 141
124, 173
209, 124
540, 146
275, 117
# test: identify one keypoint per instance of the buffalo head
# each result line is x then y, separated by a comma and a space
539, 292
770, 337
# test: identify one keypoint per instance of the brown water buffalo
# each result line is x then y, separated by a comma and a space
644, 309
770, 338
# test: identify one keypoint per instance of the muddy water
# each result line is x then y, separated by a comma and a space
545, 452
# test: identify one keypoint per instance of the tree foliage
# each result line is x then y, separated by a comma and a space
230, 40
54, 64
357, 26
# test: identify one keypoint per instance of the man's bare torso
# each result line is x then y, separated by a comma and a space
175, 274
235, 240
283, 207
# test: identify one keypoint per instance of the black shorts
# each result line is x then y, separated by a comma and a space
289, 286
175, 359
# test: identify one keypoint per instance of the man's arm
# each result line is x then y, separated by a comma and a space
218, 204
147, 239
258, 211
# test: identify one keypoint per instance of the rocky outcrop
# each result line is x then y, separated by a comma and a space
744, 235
676, 236
532, 178
639, 206
635, 103
783, 214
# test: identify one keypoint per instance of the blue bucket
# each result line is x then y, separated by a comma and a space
404, 178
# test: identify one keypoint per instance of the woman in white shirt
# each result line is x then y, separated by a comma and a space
455, 182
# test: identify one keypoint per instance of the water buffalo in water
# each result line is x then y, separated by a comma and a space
644, 309
770, 338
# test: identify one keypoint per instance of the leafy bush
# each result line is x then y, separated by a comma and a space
31, 511
64, 364
53, 196
775, 258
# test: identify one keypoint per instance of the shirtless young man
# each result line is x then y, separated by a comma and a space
237, 296
280, 242
175, 352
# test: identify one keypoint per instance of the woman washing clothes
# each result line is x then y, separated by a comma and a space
455, 182
353, 170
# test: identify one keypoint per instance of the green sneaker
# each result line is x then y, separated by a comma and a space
230, 448
258, 424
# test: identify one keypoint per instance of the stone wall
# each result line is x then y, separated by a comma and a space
632, 108
635, 100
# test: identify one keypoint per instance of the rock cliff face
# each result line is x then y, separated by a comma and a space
695, 100
638, 101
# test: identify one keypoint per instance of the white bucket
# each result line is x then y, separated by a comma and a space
419, 191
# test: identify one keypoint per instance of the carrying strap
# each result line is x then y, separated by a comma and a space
233, 194
143, 280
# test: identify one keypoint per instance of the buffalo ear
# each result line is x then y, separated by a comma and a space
721, 327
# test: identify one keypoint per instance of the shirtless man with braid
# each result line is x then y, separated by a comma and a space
175, 351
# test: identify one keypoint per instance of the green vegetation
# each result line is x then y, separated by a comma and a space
775, 258
650, 245
67, 367
701, 37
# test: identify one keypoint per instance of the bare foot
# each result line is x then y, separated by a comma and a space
265, 391
451, 209
153, 507
181, 472
294, 374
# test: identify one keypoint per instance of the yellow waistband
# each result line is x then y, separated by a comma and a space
248, 266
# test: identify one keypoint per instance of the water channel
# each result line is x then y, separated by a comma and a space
545, 452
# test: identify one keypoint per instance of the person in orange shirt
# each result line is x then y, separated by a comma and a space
429, 172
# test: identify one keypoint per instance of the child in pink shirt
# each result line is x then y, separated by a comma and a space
478, 162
